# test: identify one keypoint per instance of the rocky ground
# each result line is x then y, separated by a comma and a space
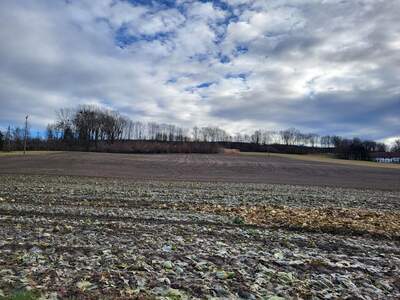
85, 238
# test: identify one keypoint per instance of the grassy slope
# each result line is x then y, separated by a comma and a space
326, 159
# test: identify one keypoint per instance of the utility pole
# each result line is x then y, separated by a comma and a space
8, 138
26, 133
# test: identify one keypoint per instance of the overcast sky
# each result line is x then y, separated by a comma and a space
324, 66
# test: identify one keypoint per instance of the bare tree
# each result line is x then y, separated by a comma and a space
313, 138
139, 131
289, 135
256, 137
7, 139
195, 133
326, 141
396, 146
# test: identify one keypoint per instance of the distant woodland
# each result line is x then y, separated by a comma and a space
91, 128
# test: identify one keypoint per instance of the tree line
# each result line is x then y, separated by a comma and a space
90, 124
89, 127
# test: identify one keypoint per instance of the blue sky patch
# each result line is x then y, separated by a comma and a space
204, 85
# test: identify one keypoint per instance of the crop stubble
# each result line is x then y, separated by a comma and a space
87, 237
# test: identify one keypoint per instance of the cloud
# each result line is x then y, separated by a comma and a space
325, 66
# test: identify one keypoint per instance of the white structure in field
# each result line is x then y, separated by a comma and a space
386, 157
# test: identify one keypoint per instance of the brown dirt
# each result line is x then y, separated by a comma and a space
90, 237
231, 151
203, 167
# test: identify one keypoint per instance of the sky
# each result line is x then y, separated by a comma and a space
323, 66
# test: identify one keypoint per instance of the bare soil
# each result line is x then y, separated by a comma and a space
121, 226
203, 167
69, 237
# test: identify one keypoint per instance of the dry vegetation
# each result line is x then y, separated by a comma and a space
28, 153
325, 158
380, 224
85, 238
